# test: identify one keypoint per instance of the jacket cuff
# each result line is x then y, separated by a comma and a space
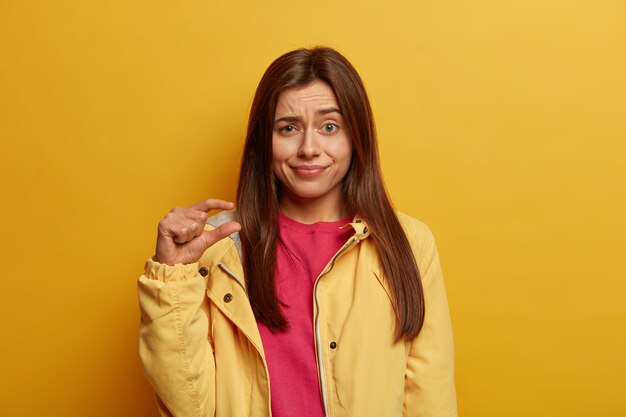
167, 273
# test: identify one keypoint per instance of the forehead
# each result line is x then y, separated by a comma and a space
314, 95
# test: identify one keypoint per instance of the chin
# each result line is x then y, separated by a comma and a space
307, 194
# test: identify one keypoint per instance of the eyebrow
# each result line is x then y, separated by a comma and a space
320, 112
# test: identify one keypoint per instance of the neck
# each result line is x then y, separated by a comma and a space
313, 210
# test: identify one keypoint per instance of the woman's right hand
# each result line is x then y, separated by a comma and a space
182, 238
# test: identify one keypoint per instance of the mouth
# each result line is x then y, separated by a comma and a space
308, 171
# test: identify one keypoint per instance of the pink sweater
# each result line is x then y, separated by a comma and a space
302, 252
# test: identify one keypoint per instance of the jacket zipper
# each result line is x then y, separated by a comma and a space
318, 332
318, 336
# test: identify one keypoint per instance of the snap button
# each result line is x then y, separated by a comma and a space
333, 345
203, 271
228, 298
365, 230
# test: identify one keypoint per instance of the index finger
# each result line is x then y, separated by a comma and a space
212, 204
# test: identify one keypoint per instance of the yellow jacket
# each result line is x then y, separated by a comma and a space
202, 352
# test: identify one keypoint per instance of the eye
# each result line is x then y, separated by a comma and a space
330, 128
287, 129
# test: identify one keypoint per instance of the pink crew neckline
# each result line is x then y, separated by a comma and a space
321, 226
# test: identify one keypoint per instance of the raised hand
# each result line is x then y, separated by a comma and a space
182, 238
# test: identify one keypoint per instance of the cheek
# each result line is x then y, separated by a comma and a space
280, 154
280, 149
343, 151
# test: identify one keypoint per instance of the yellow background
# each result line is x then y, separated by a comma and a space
502, 125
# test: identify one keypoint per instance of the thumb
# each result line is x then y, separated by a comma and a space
210, 237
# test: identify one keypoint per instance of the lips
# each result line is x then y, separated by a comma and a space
308, 171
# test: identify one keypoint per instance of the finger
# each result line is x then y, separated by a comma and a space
179, 215
215, 235
183, 230
197, 231
191, 231
189, 213
213, 204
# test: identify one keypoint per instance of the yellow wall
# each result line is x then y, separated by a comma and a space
502, 125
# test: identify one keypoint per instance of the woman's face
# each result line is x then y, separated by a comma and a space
311, 146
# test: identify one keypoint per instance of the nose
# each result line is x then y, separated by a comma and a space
309, 147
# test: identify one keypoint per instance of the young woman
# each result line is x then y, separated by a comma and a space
315, 297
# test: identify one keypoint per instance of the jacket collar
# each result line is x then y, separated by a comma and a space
358, 224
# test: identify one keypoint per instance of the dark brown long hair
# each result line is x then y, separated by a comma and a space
363, 189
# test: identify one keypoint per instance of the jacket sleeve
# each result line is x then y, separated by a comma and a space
429, 380
174, 343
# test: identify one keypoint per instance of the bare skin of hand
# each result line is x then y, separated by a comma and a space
182, 238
